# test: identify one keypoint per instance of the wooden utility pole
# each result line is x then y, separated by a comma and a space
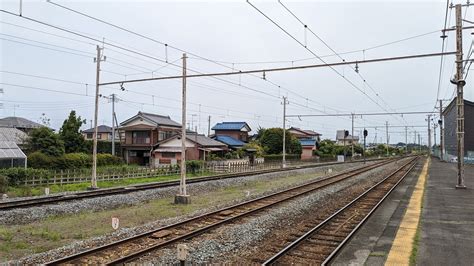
208, 126
441, 130
460, 98
98, 59
352, 135
183, 197
285, 102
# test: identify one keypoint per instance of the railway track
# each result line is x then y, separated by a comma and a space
130, 249
320, 244
123, 190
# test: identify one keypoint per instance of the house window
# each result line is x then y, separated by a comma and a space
141, 137
168, 155
99, 136
164, 135
90, 135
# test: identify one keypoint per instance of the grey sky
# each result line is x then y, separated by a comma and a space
230, 32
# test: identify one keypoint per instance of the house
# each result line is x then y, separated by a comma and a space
304, 133
233, 134
308, 146
142, 133
104, 133
450, 138
340, 140
198, 147
20, 123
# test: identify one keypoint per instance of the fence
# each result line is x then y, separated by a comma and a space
469, 159
211, 167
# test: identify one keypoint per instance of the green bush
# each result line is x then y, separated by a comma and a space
17, 176
108, 159
3, 184
40, 160
194, 165
279, 157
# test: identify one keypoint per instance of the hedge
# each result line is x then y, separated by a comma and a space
17, 176
279, 157
39, 160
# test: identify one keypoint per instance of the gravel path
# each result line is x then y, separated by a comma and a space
219, 246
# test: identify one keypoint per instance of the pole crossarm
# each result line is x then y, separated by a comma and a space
362, 114
281, 68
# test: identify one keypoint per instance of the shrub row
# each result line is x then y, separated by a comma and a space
17, 176
279, 157
40, 160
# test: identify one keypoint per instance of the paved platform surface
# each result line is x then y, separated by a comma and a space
372, 243
447, 224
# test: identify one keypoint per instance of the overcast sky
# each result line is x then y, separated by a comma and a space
233, 33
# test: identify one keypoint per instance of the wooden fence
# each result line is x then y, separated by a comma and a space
209, 168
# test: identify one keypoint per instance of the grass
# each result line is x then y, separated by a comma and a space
17, 241
25, 191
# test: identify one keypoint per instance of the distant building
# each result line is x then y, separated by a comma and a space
104, 133
450, 138
308, 146
340, 140
304, 133
142, 133
20, 123
198, 147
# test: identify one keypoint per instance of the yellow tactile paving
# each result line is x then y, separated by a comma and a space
403, 243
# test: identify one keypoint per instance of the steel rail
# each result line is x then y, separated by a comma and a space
141, 251
293, 245
133, 188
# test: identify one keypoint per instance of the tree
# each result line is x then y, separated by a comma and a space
70, 134
44, 140
272, 142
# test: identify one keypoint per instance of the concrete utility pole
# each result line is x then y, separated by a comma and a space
460, 98
406, 140
208, 126
285, 102
352, 133
98, 59
386, 130
419, 142
429, 134
113, 124
441, 130
183, 197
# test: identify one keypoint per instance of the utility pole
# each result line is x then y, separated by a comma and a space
285, 102
352, 133
460, 82
183, 197
429, 134
386, 130
98, 59
113, 99
441, 130
414, 142
406, 140
208, 126
419, 142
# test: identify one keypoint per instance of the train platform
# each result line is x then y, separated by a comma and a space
447, 223
427, 198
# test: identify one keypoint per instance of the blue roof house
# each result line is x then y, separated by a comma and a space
234, 134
